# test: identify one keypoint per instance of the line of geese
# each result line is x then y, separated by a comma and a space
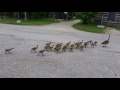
67, 46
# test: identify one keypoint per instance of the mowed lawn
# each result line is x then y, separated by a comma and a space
29, 22
117, 27
89, 28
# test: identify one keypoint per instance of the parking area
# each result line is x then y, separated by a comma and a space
97, 62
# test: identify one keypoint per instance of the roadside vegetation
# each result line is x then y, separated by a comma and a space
29, 22
117, 27
89, 28
87, 22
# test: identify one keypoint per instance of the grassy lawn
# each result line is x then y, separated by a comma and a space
29, 22
117, 28
89, 28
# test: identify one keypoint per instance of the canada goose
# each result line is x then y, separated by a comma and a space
41, 51
106, 41
34, 48
86, 43
8, 50
95, 43
49, 43
51, 47
91, 41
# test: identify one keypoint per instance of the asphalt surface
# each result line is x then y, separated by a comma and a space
97, 62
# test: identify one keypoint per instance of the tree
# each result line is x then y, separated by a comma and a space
87, 17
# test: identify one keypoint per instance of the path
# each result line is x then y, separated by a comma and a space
113, 31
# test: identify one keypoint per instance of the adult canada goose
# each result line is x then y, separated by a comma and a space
106, 41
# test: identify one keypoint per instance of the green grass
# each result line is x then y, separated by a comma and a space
89, 28
29, 22
117, 27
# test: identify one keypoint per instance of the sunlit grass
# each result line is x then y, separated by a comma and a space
89, 28
29, 22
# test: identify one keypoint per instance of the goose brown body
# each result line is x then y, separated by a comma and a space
106, 42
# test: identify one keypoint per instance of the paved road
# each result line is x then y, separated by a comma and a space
95, 62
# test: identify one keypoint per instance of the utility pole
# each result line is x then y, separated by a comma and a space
102, 20
25, 16
53, 16
18, 16
18, 21
66, 13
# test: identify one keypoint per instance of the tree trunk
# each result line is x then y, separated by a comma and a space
30, 15
85, 21
49, 14
44, 14
53, 15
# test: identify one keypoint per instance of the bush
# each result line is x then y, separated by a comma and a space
87, 17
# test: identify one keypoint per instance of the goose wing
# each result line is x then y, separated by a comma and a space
105, 42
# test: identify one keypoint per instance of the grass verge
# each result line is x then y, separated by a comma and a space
89, 28
29, 22
117, 27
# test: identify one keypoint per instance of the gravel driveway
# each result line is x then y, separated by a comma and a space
95, 62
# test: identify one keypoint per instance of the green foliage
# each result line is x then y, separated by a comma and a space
87, 17
77, 15
30, 15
